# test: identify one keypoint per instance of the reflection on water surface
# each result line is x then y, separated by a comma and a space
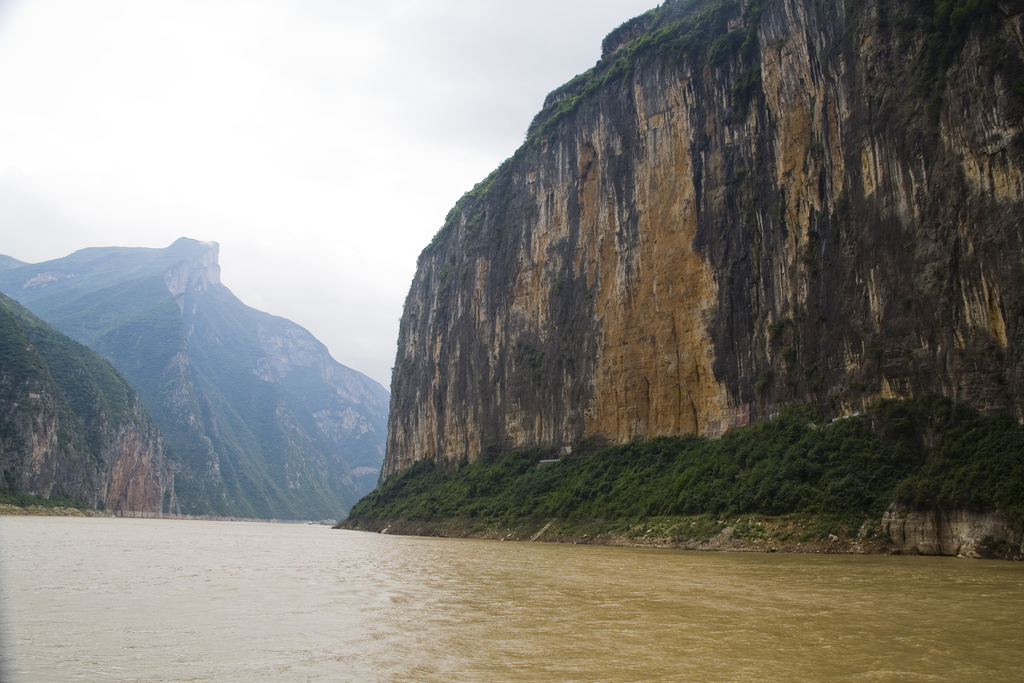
161, 600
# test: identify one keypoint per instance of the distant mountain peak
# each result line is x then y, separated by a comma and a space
257, 418
7, 262
198, 272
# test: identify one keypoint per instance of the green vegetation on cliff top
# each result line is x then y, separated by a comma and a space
926, 453
695, 34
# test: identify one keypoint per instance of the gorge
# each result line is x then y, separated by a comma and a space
257, 419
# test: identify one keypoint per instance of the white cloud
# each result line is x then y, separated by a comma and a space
321, 142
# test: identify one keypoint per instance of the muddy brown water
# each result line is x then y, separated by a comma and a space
168, 600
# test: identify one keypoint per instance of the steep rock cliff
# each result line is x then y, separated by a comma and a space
953, 532
743, 204
71, 425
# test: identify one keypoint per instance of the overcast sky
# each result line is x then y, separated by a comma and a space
320, 142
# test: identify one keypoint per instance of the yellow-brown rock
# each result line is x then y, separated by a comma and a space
71, 426
744, 204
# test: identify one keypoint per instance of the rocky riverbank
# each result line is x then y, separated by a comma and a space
40, 511
898, 532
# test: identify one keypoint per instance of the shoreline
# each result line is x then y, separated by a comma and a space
6, 509
9, 510
747, 533
722, 542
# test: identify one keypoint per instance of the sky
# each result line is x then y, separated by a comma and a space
320, 142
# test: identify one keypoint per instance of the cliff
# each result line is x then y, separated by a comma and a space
70, 424
257, 417
962, 533
743, 205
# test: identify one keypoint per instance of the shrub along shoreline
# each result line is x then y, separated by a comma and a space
793, 483
755, 533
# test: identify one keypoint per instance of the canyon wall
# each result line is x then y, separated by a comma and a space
961, 533
743, 205
70, 424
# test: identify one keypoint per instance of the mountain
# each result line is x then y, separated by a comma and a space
743, 205
71, 426
6, 262
257, 417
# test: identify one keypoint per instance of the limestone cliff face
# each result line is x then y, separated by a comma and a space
347, 407
197, 273
140, 479
957, 532
744, 204
71, 425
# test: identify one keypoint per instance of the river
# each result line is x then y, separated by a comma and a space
145, 600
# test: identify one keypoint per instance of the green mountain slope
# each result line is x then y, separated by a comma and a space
6, 262
257, 416
71, 426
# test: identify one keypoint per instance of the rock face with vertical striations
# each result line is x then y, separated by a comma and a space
744, 204
71, 425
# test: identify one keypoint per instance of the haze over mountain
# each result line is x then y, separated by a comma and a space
258, 420
231, 118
